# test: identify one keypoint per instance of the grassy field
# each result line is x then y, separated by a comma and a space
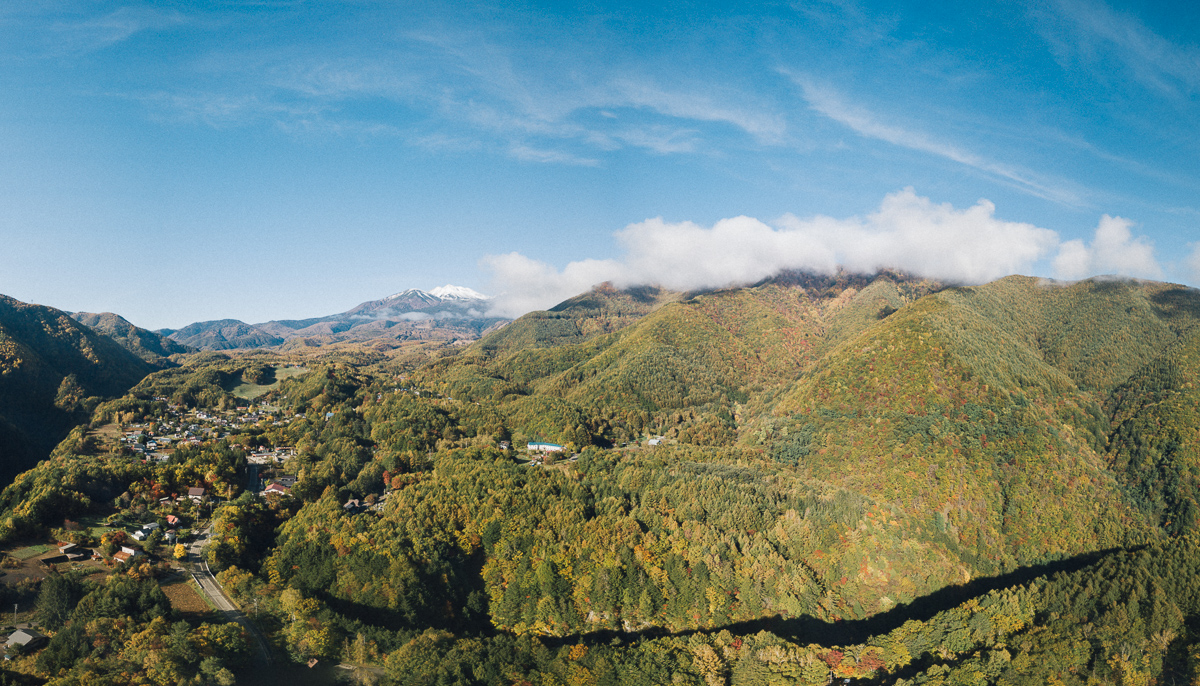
31, 551
95, 525
250, 391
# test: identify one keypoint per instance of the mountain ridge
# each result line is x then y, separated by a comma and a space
52, 370
447, 313
152, 347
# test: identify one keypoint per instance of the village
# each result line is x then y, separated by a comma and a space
162, 532
148, 528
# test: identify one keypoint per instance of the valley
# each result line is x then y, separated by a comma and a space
868, 477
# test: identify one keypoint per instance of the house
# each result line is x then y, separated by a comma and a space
139, 535
276, 489
122, 556
196, 493
544, 448
23, 640
352, 506
133, 552
66, 547
150, 527
172, 520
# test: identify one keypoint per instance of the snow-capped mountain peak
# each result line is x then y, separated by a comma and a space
449, 292
414, 293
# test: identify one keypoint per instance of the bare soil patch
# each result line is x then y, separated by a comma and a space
186, 599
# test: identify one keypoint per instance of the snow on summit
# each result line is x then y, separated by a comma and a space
449, 292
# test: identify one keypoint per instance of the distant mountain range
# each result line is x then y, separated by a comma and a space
448, 313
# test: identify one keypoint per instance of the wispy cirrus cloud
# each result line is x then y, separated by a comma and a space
221, 110
532, 154
1090, 33
765, 126
829, 103
80, 36
536, 103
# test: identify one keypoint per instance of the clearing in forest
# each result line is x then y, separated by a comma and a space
250, 391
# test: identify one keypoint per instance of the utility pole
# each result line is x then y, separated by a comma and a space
15, 613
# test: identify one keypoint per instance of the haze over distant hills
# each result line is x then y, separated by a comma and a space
448, 313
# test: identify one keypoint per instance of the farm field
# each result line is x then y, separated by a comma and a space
187, 600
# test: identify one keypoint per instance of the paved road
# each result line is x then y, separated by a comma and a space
203, 576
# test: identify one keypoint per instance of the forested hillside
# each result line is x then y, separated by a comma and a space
875, 478
151, 347
222, 334
602, 310
53, 371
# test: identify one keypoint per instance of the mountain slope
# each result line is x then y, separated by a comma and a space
670, 352
49, 366
223, 334
604, 309
954, 413
151, 347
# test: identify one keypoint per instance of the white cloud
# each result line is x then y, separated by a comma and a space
1191, 264
1113, 250
529, 284
661, 139
908, 232
913, 234
534, 102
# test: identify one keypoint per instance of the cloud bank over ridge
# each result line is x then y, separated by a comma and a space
908, 232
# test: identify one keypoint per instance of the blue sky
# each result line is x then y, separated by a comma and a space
262, 160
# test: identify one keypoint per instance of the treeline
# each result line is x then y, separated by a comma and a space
1128, 619
123, 630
